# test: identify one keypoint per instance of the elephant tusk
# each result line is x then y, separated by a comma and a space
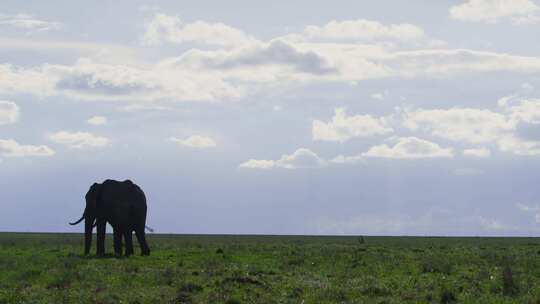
82, 217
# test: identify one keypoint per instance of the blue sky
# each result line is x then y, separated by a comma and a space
296, 117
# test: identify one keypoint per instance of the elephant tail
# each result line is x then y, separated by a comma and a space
149, 228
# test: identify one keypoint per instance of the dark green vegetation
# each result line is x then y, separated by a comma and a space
49, 268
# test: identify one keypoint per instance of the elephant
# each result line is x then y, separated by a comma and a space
123, 206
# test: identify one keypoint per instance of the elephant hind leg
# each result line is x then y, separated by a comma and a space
117, 242
142, 241
128, 237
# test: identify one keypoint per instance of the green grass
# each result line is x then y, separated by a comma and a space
49, 268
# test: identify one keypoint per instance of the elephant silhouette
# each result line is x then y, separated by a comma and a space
123, 206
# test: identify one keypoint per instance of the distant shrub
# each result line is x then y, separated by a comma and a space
62, 279
296, 293
165, 277
374, 288
436, 265
295, 261
190, 288
182, 297
510, 287
361, 240
219, 251
335, 295
447, 297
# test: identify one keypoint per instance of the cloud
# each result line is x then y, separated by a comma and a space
97, 120
88, 80
195, 141
348, 160
9, 112
342, 128
527, 110
518, 146
409, 148
171, 29
258, 164
360, 30
492, 11
459, 124
377, 96
223, 74
481, 125
400, 223
11, 148
451, 62
277, 53
18, 80
29, 23
301, 158
534, 209
477, 152
79, 140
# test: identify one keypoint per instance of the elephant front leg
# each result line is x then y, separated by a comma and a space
128, 236
117, 242
100, 248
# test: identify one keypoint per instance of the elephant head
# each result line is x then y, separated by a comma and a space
90, 214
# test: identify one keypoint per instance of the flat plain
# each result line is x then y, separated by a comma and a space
50, 268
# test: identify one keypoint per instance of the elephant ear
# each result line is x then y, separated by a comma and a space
92, 196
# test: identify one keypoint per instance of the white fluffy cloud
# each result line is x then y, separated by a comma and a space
79, 140
459, 124
301, 158
492, 11
9, 112
526, 110
165, 28
347, 160
342, 127
28, 22
477, 152
451, 62
361, 30
195, 141
480, 125
518, 146
409, 148
11, 148
97, 120
222, 73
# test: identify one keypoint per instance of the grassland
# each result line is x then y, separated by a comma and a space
49, 268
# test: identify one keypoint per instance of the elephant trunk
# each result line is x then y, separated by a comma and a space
88, 227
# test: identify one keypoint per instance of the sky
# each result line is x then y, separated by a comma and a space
276, 117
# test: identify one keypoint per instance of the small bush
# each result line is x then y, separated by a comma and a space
296, 293
436, 265
165, 277
190, 288
182, 298
447, 297
510, 287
